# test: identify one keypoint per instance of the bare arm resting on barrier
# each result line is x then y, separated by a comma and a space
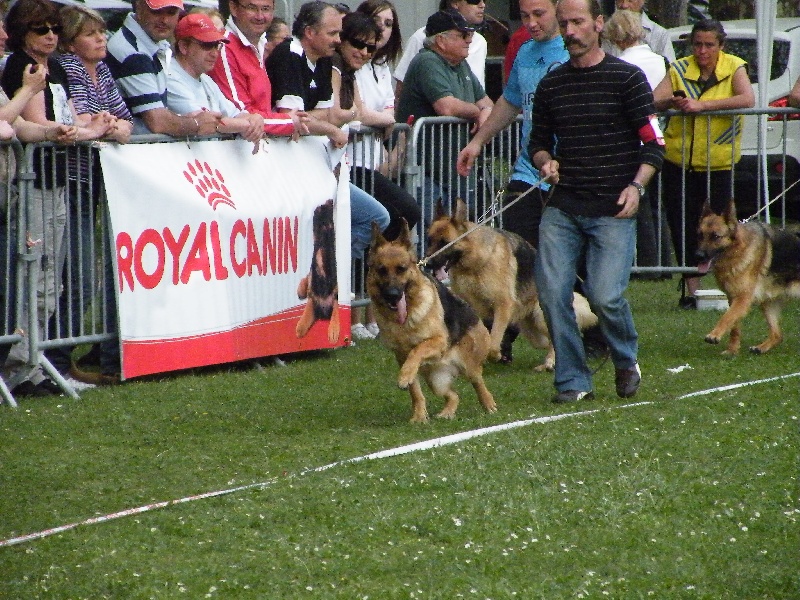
250, 127
318, 124
162, 120
478, 111
97, 127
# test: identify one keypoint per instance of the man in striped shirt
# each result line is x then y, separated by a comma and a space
600, 110
139, 56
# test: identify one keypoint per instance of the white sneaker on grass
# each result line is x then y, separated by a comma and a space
79, 386
359, 332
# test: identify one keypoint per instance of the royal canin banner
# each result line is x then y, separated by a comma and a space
223, 255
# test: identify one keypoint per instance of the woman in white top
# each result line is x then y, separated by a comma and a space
360, 37
624, 30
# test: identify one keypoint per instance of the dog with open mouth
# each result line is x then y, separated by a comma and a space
431, 332
753, 263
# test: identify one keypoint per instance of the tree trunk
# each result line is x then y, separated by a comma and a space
667, 13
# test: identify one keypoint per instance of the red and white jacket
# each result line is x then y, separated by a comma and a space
240, 74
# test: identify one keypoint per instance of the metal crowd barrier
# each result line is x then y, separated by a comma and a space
58, 286
434, 144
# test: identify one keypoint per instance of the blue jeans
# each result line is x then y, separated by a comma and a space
364, 209
609, 245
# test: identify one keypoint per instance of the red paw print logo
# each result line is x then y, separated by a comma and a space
209, 183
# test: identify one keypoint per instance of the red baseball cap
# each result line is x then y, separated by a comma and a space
159, 4
200, 27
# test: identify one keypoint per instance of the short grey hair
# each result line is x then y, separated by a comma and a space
429, 41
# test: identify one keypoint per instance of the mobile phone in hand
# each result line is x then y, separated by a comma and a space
679, 94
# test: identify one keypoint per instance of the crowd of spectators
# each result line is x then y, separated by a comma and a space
328, 73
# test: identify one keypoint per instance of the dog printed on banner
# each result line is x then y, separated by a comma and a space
320, 288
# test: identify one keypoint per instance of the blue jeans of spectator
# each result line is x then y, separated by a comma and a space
609, 245
364, 209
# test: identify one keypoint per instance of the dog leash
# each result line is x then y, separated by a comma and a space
783, 193
487, 216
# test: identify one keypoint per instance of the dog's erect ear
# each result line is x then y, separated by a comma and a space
461, 211
730, 212
377, 236
440, 211
404, 237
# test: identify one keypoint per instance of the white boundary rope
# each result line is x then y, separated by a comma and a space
725, 388
425, 445
400, 450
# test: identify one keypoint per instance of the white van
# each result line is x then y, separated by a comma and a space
741, 42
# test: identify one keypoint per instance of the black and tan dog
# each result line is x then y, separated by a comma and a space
430, 331
753, 263
320, 286
492, 270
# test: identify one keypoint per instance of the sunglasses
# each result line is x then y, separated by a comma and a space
359, 45
209, 46
45, 29
464, 35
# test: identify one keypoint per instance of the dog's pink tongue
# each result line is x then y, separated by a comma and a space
704, 266
402, 310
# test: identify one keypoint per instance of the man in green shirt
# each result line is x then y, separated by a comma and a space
439, 82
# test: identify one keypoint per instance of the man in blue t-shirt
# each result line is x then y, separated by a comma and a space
536, 57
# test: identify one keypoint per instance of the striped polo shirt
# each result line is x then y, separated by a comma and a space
139, 69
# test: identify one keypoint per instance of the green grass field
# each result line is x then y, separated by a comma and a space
692, 497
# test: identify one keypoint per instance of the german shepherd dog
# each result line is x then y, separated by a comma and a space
430, 330
320, 286
753, 264
492, 270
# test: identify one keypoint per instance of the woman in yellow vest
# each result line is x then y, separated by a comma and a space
701, 149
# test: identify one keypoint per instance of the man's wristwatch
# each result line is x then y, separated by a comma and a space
639, 187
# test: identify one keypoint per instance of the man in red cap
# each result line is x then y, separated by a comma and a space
140, 56
239, 71
189, 89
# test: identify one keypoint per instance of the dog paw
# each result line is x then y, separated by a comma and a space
495, 355
711, 339
421, 418
756, 350
545, 366
446, 414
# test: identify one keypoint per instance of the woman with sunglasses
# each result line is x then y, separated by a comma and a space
374, 81
360, 35
25, 131
33, 27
